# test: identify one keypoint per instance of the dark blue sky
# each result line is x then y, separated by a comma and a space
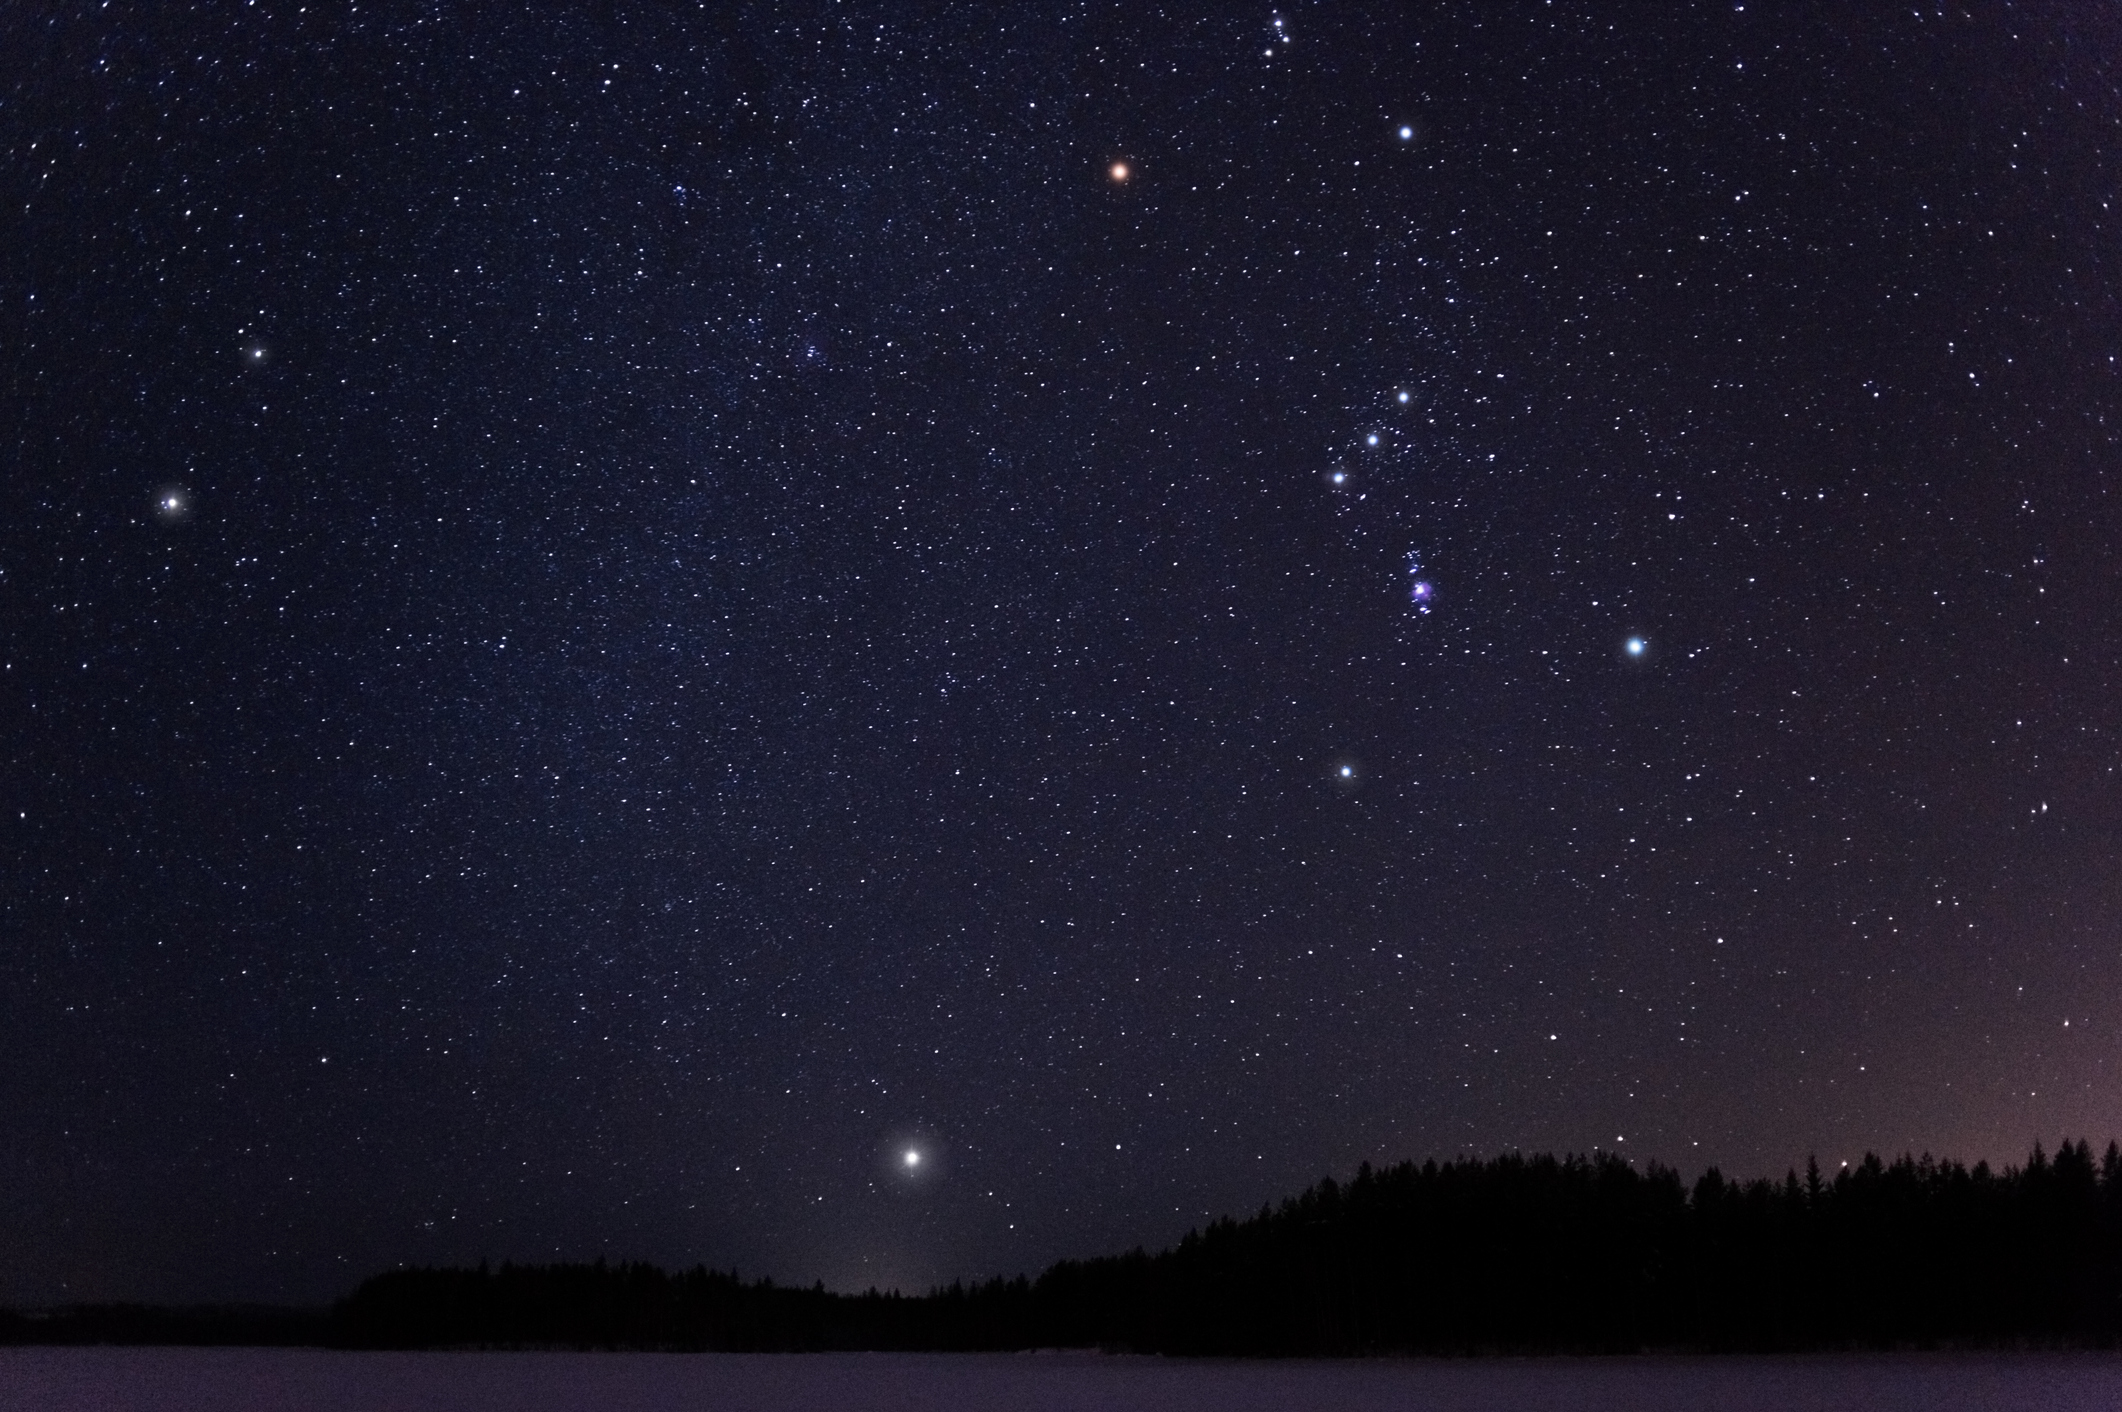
614, 615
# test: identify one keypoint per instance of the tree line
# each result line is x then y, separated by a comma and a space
1510, 1254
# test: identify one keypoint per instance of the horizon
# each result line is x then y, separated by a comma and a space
972, 1280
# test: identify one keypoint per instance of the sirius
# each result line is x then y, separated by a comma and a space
1635, 646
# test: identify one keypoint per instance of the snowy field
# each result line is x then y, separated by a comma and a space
256, 1380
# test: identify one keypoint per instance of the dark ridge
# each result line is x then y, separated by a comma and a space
1513, 1254
243, 1325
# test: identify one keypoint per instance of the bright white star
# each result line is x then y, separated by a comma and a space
1635, 646
913, 1158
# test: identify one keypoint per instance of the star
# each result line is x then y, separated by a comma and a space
1635, 646
1119, 171
912, 1158
1407, 134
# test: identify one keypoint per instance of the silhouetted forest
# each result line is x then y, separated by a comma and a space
1514, 1254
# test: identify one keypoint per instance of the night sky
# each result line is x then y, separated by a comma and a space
616, 615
